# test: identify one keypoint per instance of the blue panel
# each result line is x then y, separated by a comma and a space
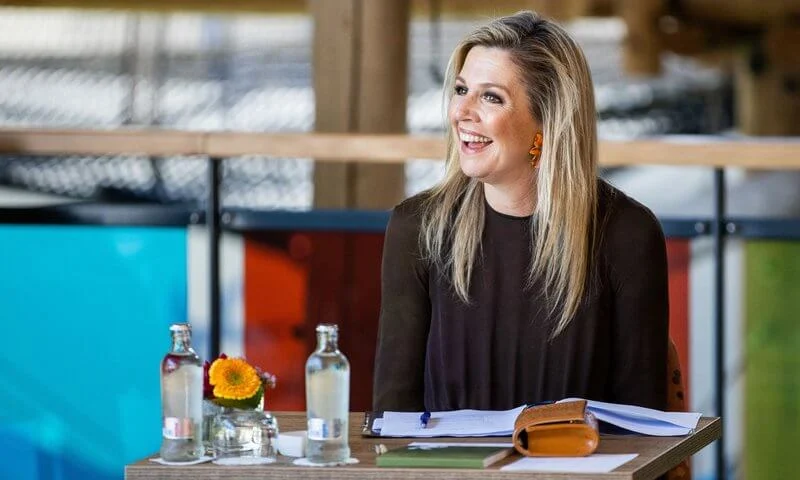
84, 313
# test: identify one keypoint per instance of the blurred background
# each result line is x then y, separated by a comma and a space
100, 254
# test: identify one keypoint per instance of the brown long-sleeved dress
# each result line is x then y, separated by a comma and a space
434, 352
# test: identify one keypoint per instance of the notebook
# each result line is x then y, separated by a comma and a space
444, 455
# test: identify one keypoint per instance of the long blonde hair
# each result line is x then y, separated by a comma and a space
559, 88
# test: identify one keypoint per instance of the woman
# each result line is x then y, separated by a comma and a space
521, 277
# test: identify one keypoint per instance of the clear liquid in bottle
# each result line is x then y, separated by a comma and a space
327, 400
181, 399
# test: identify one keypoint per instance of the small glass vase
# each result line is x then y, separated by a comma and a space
244, 437
210, 410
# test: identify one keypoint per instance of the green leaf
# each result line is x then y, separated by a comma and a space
243, 404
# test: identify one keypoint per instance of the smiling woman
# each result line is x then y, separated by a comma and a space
521, 277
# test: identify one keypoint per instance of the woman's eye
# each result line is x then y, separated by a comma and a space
491, 97
460, 90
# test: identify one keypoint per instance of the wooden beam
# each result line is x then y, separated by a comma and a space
337, 148
688, 150
450, 7
703, 151
89, 142
758, 153
228, 6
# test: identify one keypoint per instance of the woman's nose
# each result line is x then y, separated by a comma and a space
465, 108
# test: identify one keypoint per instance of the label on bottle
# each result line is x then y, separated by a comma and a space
320, 429
177, 428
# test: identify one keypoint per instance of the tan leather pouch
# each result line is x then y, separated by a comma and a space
565, 429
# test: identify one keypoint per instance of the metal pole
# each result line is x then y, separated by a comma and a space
719, 310
213, 225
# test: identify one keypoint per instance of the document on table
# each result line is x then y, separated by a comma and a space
458, 423
486, 423
596, 463
643, 420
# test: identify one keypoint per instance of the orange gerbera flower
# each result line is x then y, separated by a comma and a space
234, 379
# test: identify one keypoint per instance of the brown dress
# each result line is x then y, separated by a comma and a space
436, 353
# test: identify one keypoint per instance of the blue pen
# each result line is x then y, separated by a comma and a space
423, 419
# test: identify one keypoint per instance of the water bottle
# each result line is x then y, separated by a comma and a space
181, 398
327, 399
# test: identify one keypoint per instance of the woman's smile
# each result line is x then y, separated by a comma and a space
472, 142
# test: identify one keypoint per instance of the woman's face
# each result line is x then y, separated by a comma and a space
490, 115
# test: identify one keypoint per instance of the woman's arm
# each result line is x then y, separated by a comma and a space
638, 271
404, 318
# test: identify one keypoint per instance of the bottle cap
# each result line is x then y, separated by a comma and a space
180, 328
329, 328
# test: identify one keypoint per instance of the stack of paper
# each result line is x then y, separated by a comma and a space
643, 420
458, 423
484, 423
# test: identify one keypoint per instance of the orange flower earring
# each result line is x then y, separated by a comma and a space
536, 150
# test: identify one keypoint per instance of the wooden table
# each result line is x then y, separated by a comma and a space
656, 456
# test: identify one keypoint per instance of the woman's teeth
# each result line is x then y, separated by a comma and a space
466, 137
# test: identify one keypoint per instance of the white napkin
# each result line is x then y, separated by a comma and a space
292, 444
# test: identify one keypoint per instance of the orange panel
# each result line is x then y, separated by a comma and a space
678, 257
275, 291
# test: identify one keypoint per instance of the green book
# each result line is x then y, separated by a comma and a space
431, 455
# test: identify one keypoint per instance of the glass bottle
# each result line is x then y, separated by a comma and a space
327, 399
181, 398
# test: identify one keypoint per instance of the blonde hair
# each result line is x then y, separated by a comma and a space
558, 83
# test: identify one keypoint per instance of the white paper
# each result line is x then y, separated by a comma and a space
644, 420
597, 463
458, 444
458, 423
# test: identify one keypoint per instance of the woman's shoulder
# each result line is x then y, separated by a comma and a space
402, 241
406, 216
412, 206
625, 221
410, 210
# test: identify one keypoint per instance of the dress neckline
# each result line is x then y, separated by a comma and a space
504, 215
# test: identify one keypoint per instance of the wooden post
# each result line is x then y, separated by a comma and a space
383, 91
642, 46
360, 84
768, 84
335, 50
